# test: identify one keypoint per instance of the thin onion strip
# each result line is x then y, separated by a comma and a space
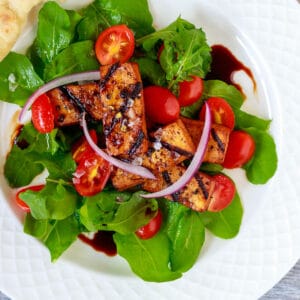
84, 76
137, 170
194, 165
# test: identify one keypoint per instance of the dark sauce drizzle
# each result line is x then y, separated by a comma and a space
102, 242
224, 64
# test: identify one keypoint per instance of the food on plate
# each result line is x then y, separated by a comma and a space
136, 140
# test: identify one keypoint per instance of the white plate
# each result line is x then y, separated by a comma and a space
265, 36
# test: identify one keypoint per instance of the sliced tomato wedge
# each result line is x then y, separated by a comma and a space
91, 175
223, 193
115, 44
221, 112
42, 114
81, 149
20, 202
150, 229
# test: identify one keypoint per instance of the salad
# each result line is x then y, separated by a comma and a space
138, 149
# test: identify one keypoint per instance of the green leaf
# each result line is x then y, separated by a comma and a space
211, 168
18, 79
263, 165
78, 57
149, 259
102, 14
218, 88
226, 223
191, 111
56, 235
245, 120
186, 233
54, 201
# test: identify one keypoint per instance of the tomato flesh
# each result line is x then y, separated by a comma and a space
20, 202
161, 106
91, 175
42, 114
240, 150
223, 193
150, 229
115, 44
221, 112
81, 149
190, 91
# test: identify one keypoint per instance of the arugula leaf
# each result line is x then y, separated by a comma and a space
54, 201
263, 165
102, 14
18, 79
78, 57
186, 233
105, 211
218, 88
56, 235
149, 259
226, 223
185, 53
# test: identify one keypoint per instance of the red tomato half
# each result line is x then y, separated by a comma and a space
91, 175
190, 91
115, 44
223, 193
81, 149
240, 149
42, 114
20, 202
161, 106
221, 112
150, 229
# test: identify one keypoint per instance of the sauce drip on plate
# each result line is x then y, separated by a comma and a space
102, 242
224, 64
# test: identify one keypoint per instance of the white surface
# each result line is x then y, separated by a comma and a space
267, 40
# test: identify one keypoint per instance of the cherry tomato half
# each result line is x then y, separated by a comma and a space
81, 149
115, 44
91, 175
42, 114
190, 91
150, 229
221, 112
223, 193
161, 106
20, 202
240, 149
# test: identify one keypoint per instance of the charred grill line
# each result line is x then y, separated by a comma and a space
73, 99
108, 75
218, 140
168, 181
133, 92
108, 129
175, 149
201, 185
137, 143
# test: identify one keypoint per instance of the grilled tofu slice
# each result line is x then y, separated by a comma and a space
65, 112
123, 110
218, 140
195, 195
123, 180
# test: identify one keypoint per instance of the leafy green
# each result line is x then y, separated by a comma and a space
78, 57
211, 168
115, 211
263, 165
226, 223
54, 201
56, 235
102, 14
244, 120
18, 79
149, 258
185, 52
192, 110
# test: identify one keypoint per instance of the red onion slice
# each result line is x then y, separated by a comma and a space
194, 165
138, 170
84, 76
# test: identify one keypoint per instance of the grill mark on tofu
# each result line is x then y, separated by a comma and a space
175, 196
133, 92
218, 140
201, 185
73, 99
135, 146
109, 74
176, 149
